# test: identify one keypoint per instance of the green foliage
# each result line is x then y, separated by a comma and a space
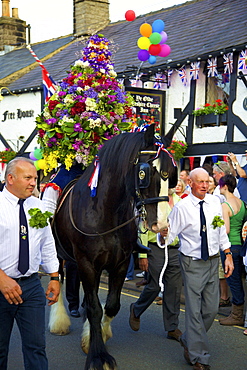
38, 219
217, 222
219, 107
177, 149
7, 155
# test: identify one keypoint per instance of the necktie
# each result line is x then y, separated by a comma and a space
203, 234
23, 265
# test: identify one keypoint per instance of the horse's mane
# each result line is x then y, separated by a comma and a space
120, 152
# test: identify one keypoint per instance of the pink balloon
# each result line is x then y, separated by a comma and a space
165, 50
163, 37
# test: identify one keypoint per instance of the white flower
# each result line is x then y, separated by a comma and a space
68, 99
102, 70
67, 119
112, 73
79, 89
90, 104
81, 63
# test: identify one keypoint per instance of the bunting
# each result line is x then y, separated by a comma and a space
159, 81
194, 70
228, 63
182, 75
212, 67
241, 61
169, 75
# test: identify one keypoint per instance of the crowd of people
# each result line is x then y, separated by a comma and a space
202, 249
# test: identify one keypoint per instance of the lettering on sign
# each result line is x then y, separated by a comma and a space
19, 114
148, 106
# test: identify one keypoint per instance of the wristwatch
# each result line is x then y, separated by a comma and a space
228, 253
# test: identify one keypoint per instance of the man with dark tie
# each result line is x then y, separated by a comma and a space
193, 220
22, 249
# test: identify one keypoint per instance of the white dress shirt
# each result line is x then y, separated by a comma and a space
185, 222
42, 249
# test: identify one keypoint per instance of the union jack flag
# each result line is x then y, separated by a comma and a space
49, 86
241, 61
212, 67
194, 70
225, 77
169, 75
159, 79
182, 75
228, 63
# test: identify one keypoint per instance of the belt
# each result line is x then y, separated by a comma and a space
23, 278
214, 256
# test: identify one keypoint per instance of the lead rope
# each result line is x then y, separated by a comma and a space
163, 246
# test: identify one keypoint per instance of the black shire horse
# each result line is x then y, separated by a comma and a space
100, 232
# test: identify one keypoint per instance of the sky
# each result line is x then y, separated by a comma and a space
53, 18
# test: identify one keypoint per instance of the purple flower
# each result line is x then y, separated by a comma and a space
62, 93
77, 127
51, 142
50, 121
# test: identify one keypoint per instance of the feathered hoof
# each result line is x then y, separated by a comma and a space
85, 345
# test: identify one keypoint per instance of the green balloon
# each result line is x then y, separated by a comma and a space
36, 165
37, 153
155, 38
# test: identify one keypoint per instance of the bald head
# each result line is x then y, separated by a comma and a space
199, 182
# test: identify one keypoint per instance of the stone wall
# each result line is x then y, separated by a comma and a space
90, 16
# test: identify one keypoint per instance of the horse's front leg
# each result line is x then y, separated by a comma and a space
92, 341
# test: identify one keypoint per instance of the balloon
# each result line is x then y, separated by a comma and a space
155, 38
41, 164
154, 49
36, 165
37, 154
31, 156
158, 25
143, 43
130, 15
163, 37
143, 55
165, 50
146, 29
152, 59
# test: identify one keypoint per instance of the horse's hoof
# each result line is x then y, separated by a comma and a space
84, 346
60, 333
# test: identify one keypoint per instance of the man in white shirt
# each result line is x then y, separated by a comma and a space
201, 283
22, 297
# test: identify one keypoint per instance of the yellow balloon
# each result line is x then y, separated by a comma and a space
41, 164
146, 29
143, 43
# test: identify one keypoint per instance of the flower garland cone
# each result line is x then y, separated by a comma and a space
89, 107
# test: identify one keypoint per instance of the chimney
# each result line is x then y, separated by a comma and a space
5, 8
90, 16
15, 13
12, 29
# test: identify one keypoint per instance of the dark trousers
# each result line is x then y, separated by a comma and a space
235, 280
72, 285
30, 319
172, 280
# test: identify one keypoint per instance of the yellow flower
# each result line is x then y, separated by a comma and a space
69, 161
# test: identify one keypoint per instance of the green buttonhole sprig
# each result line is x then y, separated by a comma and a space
217, 222
38, 219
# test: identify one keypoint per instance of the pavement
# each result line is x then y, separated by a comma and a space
130, 285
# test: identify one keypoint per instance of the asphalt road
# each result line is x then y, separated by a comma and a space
147, 349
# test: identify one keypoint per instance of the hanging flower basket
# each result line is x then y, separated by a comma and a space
177, 149
89, 107
7, 155
218, 107
210, 119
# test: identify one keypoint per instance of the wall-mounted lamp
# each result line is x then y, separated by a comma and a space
2, 88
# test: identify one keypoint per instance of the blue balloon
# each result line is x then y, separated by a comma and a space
158, 25
152, 59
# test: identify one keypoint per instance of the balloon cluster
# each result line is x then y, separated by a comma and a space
36, 157
153, 42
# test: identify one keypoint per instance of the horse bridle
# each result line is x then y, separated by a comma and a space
142, 180
140, 202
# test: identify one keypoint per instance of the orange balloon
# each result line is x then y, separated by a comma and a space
146, 29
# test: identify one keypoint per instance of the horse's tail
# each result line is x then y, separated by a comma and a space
59, 322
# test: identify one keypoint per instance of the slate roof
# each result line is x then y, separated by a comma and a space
195, 29
21, 58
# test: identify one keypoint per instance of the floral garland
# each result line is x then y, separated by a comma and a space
88, 108
219, 107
